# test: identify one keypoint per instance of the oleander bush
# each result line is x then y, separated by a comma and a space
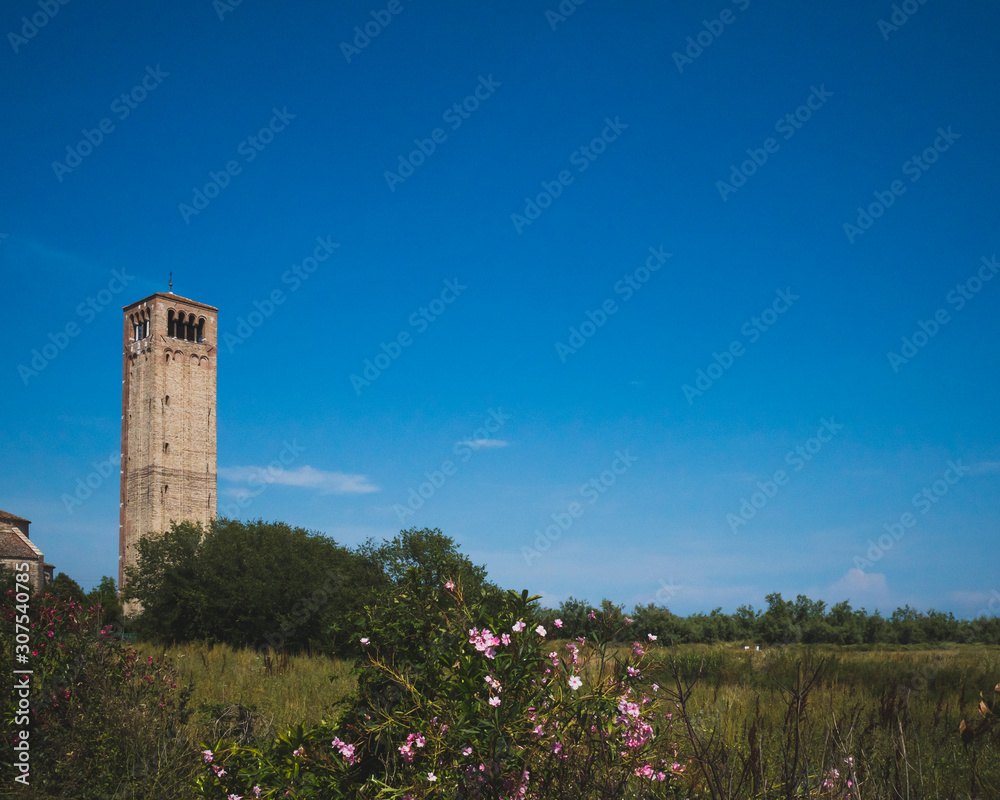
469, 699
105, 722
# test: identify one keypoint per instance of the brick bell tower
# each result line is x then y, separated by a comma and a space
168, 461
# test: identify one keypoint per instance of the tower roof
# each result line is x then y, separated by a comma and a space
170, 297
6, 516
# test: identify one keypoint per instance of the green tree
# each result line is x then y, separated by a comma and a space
65, 588
423, 559
777, 624
248, 584
106, 596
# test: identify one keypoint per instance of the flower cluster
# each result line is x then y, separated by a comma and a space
346, 750
413, 740
484, 641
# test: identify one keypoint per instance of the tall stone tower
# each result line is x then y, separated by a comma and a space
168, 465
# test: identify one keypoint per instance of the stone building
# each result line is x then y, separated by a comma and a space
168, 461
17, 548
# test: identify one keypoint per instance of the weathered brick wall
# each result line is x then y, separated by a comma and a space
168, 420
36, 570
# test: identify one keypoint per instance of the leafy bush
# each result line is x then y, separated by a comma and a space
105, 723
468, 699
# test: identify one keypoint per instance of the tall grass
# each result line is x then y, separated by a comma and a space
253, 693
799, 722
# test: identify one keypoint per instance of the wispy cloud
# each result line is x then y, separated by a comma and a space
477, 443
984, 467
305, 477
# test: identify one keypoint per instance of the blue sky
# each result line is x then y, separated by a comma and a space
633, 282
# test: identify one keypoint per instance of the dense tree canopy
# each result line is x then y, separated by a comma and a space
248, 584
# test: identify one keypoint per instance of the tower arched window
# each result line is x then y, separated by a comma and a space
171, 324
200, 335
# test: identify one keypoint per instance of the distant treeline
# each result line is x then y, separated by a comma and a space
802, 621
267, 584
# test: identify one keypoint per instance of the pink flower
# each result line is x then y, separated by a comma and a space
431, 777
628, 620
505, 639
256, 791
208, 755
540, 630
557, 623
518, 626
592, 615
575, 682
652, 637
450, 586
365, 640
466, 751
494, 701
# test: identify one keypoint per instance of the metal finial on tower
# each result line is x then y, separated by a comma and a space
170, 283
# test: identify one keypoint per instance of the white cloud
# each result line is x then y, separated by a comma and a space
859, 586
306, 477
477, 443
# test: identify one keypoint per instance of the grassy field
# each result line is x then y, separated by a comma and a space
244, 692
776, 723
